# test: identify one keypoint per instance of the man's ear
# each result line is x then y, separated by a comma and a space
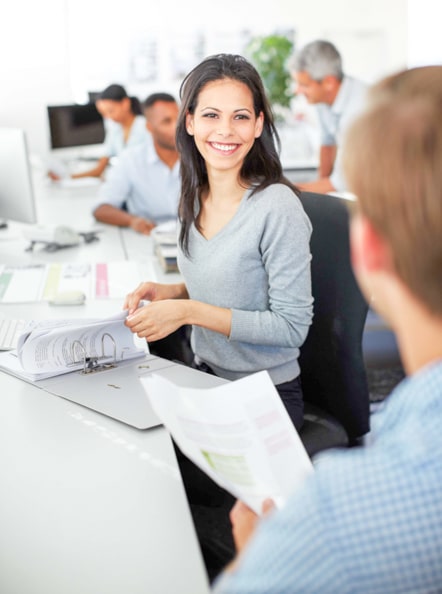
330, 82
369, 250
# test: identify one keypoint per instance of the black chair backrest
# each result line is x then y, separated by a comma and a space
332, 366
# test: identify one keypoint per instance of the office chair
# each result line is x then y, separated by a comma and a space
334, 382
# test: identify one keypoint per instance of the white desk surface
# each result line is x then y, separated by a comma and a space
88, 505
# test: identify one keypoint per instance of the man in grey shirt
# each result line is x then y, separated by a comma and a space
317, 70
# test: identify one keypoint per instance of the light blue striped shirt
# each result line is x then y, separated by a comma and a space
335, 120
144, 182
369, 520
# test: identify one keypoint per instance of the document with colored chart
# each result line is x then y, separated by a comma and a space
43, 282
238, 433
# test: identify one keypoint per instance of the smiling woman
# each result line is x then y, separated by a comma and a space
244, 238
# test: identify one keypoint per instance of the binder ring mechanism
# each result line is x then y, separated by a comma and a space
91, 364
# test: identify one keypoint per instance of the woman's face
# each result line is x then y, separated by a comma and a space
224, 125
114, 110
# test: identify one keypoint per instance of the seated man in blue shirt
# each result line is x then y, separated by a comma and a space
370, 518
317, 71
143, 188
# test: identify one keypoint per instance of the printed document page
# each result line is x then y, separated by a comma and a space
239, 433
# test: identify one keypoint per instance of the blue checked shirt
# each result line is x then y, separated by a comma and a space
370, 519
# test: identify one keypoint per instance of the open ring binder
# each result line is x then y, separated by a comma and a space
91, 363
49, 349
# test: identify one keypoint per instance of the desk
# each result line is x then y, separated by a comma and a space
88, 505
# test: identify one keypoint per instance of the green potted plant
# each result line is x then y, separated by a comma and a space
270, 54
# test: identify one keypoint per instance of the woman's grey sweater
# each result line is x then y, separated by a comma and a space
258, 265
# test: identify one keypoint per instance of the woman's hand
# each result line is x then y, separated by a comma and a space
153, 292
158, 318
170, 308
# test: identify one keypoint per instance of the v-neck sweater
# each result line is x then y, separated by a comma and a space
257, 265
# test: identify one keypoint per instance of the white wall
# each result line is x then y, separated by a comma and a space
424, 46
33, 65
43, 43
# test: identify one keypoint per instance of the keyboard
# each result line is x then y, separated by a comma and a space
10, 330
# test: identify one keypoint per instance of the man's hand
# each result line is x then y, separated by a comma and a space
141, 225
54, 176
321, 186
244, 521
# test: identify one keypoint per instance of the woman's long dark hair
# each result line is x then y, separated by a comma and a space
261, 167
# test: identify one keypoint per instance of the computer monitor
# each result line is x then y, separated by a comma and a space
75, 125
17, 199
93, 96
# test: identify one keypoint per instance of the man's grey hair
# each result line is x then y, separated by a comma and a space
319, 59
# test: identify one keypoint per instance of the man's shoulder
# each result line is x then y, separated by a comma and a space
350, 99
134, 155
142, 148
409, 422
355, 82
355, 86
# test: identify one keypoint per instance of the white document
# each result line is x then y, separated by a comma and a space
78, 182
21, 283
238, 433
165, 233
42, 282
54, 347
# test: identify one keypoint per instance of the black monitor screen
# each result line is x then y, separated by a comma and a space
75, 125
93, 96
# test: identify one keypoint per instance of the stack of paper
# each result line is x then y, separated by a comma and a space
165, 245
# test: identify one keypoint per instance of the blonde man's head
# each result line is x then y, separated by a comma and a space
393, 163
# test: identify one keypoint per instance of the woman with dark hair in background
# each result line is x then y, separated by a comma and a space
124, 123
